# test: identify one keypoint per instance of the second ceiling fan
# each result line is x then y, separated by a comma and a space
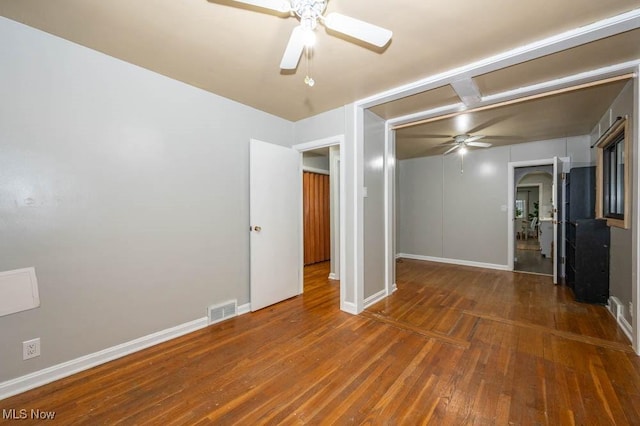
310, 13
461, 142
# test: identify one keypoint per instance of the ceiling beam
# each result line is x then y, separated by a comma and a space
569, 39
467, 91
522, 95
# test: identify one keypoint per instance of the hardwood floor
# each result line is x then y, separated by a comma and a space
454, 345
528, 258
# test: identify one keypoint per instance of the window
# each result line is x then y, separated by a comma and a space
520, 209
614, 176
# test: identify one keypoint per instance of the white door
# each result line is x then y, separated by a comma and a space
274, 197
558, 215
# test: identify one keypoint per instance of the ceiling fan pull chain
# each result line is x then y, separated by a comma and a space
308, 80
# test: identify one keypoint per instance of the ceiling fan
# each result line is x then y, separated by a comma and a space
309, 13
461, 142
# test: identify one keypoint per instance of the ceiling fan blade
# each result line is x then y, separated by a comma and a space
281, 6
294, 50
479, 144
356, 28
474, 138
453, 148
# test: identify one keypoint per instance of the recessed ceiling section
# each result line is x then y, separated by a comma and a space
569, 114
617, 49
419, 102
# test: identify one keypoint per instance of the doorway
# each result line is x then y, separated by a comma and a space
533, 227
317, 205
320, 160
549, 226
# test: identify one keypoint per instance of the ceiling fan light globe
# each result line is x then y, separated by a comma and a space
309, 37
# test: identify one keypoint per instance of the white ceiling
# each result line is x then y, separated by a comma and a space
234, 50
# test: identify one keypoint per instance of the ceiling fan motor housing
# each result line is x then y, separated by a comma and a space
309, 11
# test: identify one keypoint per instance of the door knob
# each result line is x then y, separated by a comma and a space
257, 228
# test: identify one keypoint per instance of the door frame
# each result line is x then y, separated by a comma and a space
337, 140
511, 188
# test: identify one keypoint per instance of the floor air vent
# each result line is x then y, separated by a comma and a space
223, 311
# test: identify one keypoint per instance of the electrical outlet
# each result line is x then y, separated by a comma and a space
31, 348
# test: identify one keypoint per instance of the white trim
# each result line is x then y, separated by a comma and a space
375, 298
319, 143
556, 43
332, 276
455, 261
358, 190
348, 307
635, 215
315, 170
322, 143
562, 82
389, 209
625, 327
467, 90
244, 309
335, 179
616, 310
65, 369
522, 92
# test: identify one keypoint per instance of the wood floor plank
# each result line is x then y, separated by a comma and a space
454, 345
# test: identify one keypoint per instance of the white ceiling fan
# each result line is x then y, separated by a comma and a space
309, 13
461, 142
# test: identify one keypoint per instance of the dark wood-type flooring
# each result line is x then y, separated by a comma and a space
530, 259
453, 346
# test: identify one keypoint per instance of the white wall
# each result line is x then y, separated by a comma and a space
326, 124
462, 217
374, 219
127, 191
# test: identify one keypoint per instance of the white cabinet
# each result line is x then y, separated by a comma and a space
546, 236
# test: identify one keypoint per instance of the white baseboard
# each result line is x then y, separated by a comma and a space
374, 298
65, 369
454, 261
333, 276
616, 308
244, 309
349, 308
394, 287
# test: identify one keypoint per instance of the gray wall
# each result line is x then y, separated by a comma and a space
462, 216
374, 242
620, 277
127, 191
